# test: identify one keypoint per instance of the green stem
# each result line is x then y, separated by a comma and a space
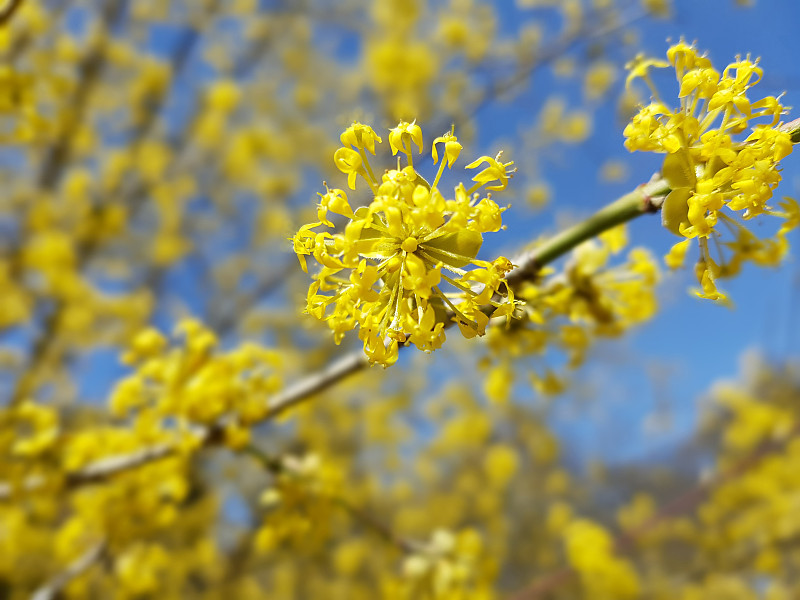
646, 198
793, 129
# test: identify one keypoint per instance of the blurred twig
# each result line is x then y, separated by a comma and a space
56, 160
7, 11
52, 589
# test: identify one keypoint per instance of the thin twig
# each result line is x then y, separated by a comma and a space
51, 589
55, 162
305, 388
8, 11
646, 198
550, 53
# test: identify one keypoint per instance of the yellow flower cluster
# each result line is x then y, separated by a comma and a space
708, 167
383, 272
592, 297
751, 516
19, 113
300, 504
590, 551
611, 298
446, 567
194, 384
27, 430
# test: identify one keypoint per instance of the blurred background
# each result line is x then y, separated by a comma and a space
158, 155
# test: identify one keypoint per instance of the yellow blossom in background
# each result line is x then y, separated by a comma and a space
600, 292
603, 575
446, 567
538, 195
383, 274
659, 8
613, 171
192, 382
600, 76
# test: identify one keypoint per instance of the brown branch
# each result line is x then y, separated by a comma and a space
56, 159
89, 73
306, 388
550, 53
105, 468
8, 11
224, 322
25, 38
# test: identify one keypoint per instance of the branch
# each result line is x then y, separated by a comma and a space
225, 322
51, 589
8, 11
316, 382
102, 469
552, 51
51, 168
91, 69
647, 198
793, 129
644, 199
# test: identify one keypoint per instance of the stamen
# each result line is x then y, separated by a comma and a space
369, 169
459, 285
439, 173
466, 320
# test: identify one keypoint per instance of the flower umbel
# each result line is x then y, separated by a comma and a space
386, 271
715, 175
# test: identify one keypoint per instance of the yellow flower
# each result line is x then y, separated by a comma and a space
590, 551
349, 162
638, 68
383, 273
43, 426
452, 148
189, 380
336, 201
495, 171
360, 136
715, 176
401, 137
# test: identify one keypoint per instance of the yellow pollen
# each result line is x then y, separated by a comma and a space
409, 245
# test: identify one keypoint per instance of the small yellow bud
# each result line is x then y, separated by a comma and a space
409, 245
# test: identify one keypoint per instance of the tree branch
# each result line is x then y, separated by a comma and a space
51, 589
644, 199
8, 11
